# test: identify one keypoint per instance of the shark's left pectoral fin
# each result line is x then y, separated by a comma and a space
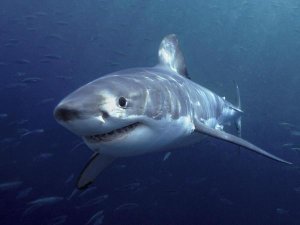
201, 128
93, 168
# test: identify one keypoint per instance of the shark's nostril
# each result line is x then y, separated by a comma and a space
65, 114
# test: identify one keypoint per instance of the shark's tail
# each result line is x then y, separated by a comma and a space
238, 122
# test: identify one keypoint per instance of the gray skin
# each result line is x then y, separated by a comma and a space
142, 110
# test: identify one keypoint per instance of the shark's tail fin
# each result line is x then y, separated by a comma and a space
238, 122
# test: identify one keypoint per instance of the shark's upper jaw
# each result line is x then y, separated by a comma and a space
113, 135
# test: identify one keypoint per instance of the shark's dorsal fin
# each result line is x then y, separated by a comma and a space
170, 55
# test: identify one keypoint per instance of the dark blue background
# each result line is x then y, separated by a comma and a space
256, 43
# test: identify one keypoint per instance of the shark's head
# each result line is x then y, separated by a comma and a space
126, 113
108, 114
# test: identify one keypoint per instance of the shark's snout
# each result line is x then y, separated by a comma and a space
65, 113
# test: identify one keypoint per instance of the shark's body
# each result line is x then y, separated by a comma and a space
142, 110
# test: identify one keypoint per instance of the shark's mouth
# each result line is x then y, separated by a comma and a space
112, 135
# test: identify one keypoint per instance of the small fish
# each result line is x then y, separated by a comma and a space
30, 17
297, 189
287, 125
62, 23
64, 77
22, 61
55, 37
76, 146
195, 180
20, 74
7, 140
8, 45
94, 201
129, 187
59, 220
69, 179
22, 130
281, 211
18, 122
24, 193
167, 155
226, 201
42, 157
36, 131
287, 145
15, 85
96, 37
10, 185
74, 192
32, 29
45, 61
3, 63
13, 41
3, 115
296, 149
45, 101
41, 13
126, 206
114, 64
96, 219
120, 53
87, 191
55, 57
34, 205
46, 200
295, 132
31, 80
120, 166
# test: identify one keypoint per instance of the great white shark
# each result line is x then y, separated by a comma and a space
143, 110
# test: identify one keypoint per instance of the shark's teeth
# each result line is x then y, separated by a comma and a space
112, 134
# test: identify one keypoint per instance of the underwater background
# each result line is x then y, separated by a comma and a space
50, 48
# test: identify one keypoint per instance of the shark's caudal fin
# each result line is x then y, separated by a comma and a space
93, 168
170, 55
201, 128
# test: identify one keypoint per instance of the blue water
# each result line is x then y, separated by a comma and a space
64, 44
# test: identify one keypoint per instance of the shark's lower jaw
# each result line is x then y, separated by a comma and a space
112, 135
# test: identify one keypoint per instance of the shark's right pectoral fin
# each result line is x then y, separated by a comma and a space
93, 168
201, 128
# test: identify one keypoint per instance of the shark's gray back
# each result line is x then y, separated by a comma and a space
165, 93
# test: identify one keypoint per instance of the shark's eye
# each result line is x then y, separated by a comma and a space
122, 102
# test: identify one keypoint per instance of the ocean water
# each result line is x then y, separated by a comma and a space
50, 48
